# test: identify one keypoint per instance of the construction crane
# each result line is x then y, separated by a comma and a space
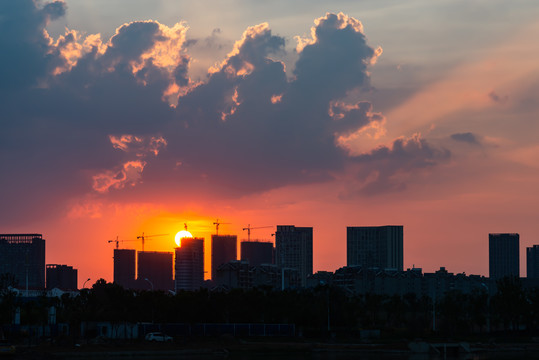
249, 228
142, 237
217, 223
118, 241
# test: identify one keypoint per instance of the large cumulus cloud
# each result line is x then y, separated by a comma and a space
25, 45
86, 115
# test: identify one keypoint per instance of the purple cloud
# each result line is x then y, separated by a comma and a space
85, 115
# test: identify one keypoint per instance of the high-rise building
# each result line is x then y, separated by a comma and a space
375, 246
257, 252
294, 250
532, 262
503, 255
223, 249
124, 267
155, 268
23, 255
62, 277
234, 274
189, 264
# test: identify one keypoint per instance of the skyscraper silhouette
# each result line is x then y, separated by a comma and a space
375, 246
224, 248
124, 267
532, 262
23, 255
189, 264
62, 277
503, 253
294, 250
156, 266
257, 252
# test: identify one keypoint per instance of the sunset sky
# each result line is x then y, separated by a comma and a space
129, 116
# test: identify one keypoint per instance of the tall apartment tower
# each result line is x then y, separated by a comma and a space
375, 246
532, 262
257, 252
189, 265
503, 255
224, 248
62, 277
294, 250
23, 255
156, 266
124, 267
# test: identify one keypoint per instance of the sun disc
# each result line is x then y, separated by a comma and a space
180, 235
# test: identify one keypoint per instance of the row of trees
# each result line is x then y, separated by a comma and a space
314, 310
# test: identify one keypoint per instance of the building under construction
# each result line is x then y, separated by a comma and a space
223, 249
189, 265
62, 277
155, 270
257, 252
23, 256
124, 267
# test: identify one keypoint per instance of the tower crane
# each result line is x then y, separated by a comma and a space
118, 241
217, 223
249, 228
142, 237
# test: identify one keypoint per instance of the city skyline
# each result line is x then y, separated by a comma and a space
382, 244
123, 119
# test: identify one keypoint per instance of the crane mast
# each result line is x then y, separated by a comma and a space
249, 228
217, 223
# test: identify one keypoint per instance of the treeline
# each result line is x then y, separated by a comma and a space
512, 308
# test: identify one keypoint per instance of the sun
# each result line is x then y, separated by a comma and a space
180, 235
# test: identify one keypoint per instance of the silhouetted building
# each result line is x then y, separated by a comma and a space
234, 274
257, 253
189, 264
62, 277
156, 267
124, 267
240, 274
23, 255
268, 275
224, 248
320, 278
503, 255
360, 280
294, 250
375, 246
532, 262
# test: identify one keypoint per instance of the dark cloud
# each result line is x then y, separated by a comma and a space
335, 61
389, 167
349, 118
131, 41
466, 137
122, 116
497, 98
291, 140
25, 49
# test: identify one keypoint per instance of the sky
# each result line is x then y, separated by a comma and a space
125, 117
